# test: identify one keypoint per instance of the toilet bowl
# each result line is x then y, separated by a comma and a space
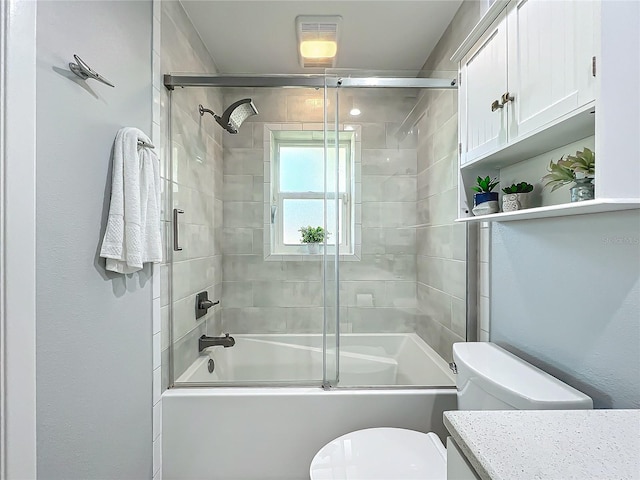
381, 454
488, 378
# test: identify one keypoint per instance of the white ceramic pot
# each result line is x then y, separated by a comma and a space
515, 201
313, 247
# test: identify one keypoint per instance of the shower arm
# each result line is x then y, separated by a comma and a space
202, 111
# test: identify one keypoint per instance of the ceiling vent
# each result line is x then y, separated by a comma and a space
318, 40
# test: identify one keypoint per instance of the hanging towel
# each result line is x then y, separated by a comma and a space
133, 234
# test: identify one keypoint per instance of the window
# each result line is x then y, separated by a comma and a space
298, 190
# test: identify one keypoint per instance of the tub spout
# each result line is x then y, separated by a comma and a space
205, 342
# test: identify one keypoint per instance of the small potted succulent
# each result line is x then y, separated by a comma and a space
516, 197
579, 169
313, 236
485, 200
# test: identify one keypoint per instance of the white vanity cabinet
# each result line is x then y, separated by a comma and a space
551, 62
458, 467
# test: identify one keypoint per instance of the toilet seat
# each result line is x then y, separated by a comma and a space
381, 454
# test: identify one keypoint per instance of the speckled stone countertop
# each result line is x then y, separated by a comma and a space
551, 444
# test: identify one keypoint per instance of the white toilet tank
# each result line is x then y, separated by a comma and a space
490, 378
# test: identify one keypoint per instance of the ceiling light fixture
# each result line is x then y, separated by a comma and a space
317, 40
318, 49
355, 112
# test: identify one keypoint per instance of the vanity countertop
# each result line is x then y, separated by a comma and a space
549, 444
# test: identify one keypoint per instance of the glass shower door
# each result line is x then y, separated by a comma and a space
337, 152
401, 266
236, 203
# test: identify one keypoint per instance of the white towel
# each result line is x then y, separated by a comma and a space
133, 234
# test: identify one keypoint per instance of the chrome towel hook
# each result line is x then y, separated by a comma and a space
84, 71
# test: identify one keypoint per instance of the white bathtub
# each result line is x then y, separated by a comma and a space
365, 360
273, 433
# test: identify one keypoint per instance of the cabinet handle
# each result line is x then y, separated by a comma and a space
496, 105
176, 240
506, 98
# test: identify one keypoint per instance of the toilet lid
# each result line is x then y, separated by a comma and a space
381, 454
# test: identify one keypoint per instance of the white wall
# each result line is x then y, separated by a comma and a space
566, 297
94, 328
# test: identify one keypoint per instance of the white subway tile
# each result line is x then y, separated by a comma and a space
157, 455
157, 420
156, 281
156, 350
157, 385
157, 71
484, 314
155, 117
484, 279
485, 241
156, 31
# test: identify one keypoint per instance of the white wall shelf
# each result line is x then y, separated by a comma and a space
565, 209
569, 128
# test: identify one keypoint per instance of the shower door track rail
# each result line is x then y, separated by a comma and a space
304, 81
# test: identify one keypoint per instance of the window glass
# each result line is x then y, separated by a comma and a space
298, 213
301, 169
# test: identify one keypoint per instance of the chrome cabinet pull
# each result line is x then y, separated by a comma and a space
176, 239
506, 98
496, 105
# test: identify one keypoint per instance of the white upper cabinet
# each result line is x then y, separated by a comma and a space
483, 78
540, 79
551, 47
533, 66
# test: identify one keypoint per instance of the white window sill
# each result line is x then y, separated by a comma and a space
303, 256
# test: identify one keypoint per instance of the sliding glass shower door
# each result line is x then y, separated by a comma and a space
237, 205
401, 276
316, 246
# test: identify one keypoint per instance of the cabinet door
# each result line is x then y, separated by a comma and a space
551, 45
458, 467
483, 79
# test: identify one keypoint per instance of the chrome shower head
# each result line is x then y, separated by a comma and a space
234, 116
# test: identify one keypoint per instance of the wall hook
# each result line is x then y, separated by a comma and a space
84, 71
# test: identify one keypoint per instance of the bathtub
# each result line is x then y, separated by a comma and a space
365, 360
273, 433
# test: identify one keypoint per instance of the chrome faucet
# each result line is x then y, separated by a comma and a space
226, 342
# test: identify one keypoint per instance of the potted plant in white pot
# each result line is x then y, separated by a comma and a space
516, 197
313, 236
485, 200
579, 169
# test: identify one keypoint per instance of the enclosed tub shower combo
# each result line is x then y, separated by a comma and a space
279, 340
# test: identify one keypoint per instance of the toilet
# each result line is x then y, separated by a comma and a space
488, 378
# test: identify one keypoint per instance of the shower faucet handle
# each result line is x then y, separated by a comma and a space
203, 304
207, 304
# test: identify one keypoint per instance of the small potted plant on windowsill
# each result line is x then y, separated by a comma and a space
485, 200
516, 197
579, 169
313, 236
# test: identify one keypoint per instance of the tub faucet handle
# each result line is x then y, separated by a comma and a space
203, 304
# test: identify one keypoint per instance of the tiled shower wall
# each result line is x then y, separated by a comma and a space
261, 296
196, 187
441, 243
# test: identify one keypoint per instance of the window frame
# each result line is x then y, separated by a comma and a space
277, 198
